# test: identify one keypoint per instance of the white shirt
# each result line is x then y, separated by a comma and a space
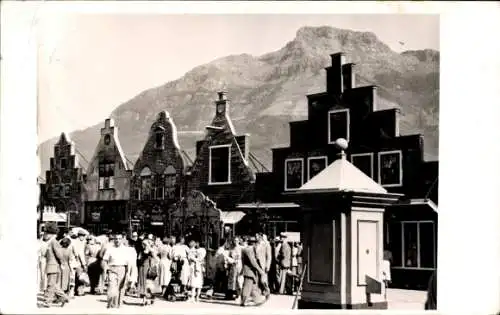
117, 256
180, 251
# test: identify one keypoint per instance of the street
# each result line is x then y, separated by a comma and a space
91, 304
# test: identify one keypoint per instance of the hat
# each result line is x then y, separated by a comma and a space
251, 239
81, 233
277, 239
283, 235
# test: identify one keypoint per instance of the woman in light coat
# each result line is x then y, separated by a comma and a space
165, 273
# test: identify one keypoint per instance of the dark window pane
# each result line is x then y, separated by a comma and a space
390, 169
338, 125
321, 266
395, 243
364, 163
427, 245
316, 165
159, 140
410, 244
294, 172
63, 163
219, 165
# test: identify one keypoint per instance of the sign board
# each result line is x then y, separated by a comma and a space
157, 223
96, 216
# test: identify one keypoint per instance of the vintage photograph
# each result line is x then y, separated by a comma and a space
224, 161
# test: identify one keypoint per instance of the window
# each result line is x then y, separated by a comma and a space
294, 173
315, 165
159, 140
338, 124
413, 244
390, 168
170, 182
364, 162
106, 175
137, 194
63, 163
146, 184
219, 164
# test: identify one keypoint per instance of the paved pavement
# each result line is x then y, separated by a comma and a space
90, 304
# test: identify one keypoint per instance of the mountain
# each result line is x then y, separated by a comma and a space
268, 91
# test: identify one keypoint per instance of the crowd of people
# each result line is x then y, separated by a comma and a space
245, 269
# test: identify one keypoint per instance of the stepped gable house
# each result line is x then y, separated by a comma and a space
158, 177
221, 171
63, 188
108, 183
375, 146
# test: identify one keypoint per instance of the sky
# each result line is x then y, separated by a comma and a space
88, 64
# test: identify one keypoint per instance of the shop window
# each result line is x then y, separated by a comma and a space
294, 173
413, 244
390, 168
338, 125
364, 162
315, 165
220, 164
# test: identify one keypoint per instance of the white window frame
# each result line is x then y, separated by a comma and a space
379, 155
210, 182
309, 159
286, 173
348, 133
403, 263
370, 154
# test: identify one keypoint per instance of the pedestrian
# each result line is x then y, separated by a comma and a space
180, 251
234, 267
284, 260
263, 255
42, 263
195, 280
253, 274
431, 301
54, 256
81, 263
67, 281
165, 264
116, 262
147, 272
94, 268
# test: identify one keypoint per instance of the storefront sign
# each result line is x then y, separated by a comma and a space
157, 223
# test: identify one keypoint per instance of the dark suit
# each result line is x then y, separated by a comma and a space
251, 273
54, 257
284, 260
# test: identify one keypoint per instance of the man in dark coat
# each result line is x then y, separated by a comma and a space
253, 274
54, 257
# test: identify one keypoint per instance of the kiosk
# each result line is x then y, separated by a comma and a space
342, 226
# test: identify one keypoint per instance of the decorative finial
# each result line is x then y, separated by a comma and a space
342, 144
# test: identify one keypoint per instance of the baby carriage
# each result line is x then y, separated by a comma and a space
175, 290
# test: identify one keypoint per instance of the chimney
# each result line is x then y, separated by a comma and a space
221, 103
334, 77
349, 76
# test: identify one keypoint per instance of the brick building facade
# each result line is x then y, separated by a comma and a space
63, 188
158, 177
107, 183
375, 147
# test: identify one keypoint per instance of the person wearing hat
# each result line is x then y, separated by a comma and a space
253, 275
54, 257
284, 260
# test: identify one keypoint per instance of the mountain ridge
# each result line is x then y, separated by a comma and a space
272, 88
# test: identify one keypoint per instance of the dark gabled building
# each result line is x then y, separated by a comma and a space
158, 177
376, 147
63, 188
107, 184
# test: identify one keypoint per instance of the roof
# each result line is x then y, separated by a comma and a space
418, 202
341, 175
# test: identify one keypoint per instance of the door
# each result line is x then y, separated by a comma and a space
368, 239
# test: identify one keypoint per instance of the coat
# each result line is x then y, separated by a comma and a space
251, 268
285, 255
54, 257
263, 254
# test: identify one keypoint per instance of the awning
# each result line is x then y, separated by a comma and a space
418, 202
292, 236
255, 205
231, 217
53, 217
